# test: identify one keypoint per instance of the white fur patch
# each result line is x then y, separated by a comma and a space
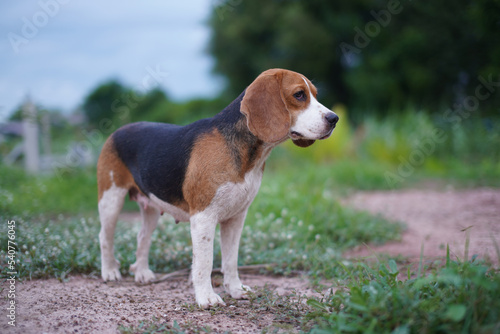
109, 207
233, 198
311, 122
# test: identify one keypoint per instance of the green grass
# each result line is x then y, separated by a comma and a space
461, 297
295, 221
25, 195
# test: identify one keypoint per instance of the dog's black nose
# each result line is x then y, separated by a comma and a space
332, 118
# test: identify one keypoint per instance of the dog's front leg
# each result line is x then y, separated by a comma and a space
202, 235
230, 233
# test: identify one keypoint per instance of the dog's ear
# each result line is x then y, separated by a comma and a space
303, 142
263, 106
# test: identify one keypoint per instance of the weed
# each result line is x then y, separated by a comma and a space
461, 297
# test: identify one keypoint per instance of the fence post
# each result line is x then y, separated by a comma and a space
30, 137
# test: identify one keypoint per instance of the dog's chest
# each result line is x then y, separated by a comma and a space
233, 198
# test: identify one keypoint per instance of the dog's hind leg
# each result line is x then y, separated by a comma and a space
141, 269
110, 205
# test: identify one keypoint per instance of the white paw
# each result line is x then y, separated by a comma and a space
142, 275
238, 291
206, 300
111, 272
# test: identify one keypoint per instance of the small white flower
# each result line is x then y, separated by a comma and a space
317, 236
47, 230
33, 248
284, 212
290, 251
311, 227
304, 257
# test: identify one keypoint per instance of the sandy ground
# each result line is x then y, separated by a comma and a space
87, 305
435, 219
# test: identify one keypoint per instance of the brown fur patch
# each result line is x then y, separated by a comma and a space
210, 166
109, 161
292, 83
270, 106
264, 108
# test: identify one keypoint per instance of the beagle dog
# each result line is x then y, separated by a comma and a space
205, 173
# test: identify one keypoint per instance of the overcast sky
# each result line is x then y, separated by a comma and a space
57, 50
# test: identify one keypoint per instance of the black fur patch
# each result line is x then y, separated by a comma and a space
157, 154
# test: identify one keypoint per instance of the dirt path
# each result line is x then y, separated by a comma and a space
435, 219
87, 305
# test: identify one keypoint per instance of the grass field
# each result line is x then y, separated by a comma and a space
297, 222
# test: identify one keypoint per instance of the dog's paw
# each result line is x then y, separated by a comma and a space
239, 291
209, 299
111, 272
142, 275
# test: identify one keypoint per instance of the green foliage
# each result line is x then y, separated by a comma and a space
23, 194
463, 297
111, 105
371, 56
196, 109
424, 145
153, 106
108, 101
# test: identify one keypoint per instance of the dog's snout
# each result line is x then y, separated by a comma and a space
332, 118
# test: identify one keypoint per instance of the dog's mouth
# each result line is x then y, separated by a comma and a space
294, 135
328, 134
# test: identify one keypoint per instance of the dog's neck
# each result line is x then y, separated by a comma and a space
247, 150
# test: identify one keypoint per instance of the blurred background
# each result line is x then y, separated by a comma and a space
416, 84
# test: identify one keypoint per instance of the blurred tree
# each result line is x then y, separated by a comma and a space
104, 102
371, 55
121, 104
152, 106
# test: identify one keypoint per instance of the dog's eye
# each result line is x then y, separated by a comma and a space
300, 95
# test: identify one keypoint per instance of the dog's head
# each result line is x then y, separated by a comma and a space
281, 104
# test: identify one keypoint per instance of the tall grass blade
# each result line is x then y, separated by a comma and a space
420, 262
447, 255
497, 248
467, 241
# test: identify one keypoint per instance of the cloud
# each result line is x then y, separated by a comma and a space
78, 44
